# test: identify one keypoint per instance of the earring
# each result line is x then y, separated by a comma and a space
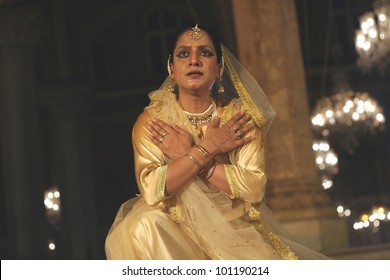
169, 66
171, 84
171, 81
221, 88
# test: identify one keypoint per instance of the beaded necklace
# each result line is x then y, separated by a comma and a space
201, 118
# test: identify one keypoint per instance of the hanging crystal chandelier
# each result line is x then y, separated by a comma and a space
326, 161
372, 40
346, 116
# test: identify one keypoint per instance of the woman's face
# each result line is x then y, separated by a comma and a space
194, 65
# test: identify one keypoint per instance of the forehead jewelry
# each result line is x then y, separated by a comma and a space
195, 34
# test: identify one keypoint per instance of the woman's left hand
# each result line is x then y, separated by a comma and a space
225, 138
171, 139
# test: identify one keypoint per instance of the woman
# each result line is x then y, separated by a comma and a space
199, 165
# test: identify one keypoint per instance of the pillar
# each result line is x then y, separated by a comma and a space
21, 153
268, 45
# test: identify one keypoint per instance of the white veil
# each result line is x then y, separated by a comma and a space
238, 81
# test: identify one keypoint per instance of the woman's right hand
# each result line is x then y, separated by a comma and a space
229, 136
171, 139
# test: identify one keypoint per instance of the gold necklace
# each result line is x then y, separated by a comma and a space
201, 118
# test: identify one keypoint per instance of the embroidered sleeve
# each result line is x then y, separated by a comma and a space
161, 182
231, 180
149, 162
245, 170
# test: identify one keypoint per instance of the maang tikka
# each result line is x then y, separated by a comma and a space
195, 33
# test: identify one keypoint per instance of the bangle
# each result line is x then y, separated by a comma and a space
211, 171
194, 160
205, 170
203, 151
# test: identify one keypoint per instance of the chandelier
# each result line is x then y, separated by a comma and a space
52, 201
372, 40
326, 162
373, 219
344, 117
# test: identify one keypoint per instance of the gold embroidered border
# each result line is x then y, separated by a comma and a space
254, 214
283, 250
157, 104
232, 182
257, 116
281, 247
226, 114
161, 182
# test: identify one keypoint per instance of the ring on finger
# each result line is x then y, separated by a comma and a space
165, 133
235, 128
160, 138
238, 135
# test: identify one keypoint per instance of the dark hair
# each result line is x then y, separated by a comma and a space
213, 36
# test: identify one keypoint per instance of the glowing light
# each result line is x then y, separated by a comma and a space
52, 203
373, 219
52, 246
327, 183
345, 116
372, 40
326, 161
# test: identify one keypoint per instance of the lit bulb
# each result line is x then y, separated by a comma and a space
372, 33
326, 184
52, 246
382, 17
319, 160
380, 118
355, 116
366, 46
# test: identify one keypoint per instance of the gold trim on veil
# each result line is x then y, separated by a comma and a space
257, 116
